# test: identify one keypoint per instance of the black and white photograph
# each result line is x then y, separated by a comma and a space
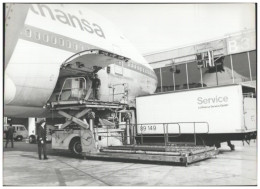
129, 94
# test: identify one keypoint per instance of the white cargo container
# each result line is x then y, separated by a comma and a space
219, 111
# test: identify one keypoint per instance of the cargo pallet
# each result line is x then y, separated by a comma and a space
179, 154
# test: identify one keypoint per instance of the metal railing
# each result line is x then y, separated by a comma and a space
166, 131
73, 88
124, 93
132, 134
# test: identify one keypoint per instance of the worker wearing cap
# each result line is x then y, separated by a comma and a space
41, 138
95, 86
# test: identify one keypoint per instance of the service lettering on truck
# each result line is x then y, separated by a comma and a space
217, 99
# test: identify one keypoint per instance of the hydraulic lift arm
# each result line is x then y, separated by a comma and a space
76, 119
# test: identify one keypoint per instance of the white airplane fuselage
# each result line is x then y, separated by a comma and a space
38, 45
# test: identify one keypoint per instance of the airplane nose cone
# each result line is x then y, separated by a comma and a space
9, 90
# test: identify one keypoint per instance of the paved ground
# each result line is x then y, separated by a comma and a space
22, 168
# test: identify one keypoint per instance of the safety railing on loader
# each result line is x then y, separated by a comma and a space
133, 134
120, 91
73, 88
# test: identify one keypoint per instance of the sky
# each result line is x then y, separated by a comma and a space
157, 27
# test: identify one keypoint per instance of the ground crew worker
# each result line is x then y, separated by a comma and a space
95, 86
41, 138
9, 135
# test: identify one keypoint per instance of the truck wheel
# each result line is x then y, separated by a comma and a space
75, 146
32, 139
19, 138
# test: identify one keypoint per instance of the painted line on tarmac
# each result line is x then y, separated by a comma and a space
109, 173
13, 155
159, 182
86, 173
28, 156
239, 159
60, 178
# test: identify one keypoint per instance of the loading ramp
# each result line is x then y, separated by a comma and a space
179, 154
170, 152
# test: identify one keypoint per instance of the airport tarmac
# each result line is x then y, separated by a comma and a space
21, 167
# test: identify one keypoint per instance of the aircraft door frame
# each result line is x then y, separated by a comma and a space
119, 68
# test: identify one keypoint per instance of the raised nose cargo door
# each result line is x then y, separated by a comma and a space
92, 60
75, 78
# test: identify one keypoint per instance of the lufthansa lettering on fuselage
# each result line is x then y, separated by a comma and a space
68, 19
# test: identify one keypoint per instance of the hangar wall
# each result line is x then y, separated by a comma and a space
238, 51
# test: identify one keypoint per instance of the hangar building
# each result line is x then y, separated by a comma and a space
228, 60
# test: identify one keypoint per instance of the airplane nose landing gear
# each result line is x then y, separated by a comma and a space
232, 146
217, 145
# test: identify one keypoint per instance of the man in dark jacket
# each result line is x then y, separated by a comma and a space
41, 138
95, 86
10, 135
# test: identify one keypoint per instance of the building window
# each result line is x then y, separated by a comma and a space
241, 67
195, 75
180, 77
228, 69
157, 73
167, 79
252, 56
209, 78
225, 76
220, 74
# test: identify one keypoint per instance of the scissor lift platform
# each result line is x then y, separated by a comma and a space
180, 154
72, 104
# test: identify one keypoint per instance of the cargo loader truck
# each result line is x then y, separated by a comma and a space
180, 127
